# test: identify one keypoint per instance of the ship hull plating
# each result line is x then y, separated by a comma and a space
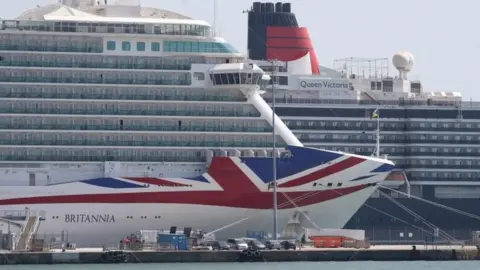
232, 196
106, 224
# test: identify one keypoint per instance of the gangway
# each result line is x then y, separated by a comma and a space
32, 224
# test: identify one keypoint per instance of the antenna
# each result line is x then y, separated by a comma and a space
215, 30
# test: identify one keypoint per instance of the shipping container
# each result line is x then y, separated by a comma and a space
173, 241
327, 241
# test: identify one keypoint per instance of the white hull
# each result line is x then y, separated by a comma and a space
102, 211
329, 214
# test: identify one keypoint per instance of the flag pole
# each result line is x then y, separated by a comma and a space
274, 173
377, 146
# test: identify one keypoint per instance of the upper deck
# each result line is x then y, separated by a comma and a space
107, 19
349, 87
117, 30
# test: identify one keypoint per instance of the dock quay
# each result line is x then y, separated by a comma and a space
374, 253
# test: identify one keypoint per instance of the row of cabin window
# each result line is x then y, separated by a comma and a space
176, 46
126, 46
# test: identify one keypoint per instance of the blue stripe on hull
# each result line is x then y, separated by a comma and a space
302, 159
383, 168
110, 183
199, 178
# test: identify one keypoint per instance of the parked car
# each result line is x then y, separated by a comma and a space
254, 243
237, 243
203, 246
288, 244
218, 245
273, 244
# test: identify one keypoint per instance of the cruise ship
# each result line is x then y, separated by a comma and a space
433, 193
118, 118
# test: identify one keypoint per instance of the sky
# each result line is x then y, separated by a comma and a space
441, 34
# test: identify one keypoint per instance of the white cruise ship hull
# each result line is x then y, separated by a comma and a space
107, 224
234, 195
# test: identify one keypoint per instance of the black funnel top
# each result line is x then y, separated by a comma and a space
259, 20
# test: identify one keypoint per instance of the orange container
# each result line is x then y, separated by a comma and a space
327, 241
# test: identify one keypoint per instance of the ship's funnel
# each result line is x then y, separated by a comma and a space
274, 34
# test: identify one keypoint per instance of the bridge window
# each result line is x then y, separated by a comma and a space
111, 45
236, 78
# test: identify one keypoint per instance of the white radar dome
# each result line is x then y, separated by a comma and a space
403, 61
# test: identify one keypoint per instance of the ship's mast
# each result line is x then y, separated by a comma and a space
215, 9
274, 174
376, 114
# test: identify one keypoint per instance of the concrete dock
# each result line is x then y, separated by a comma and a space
375, 253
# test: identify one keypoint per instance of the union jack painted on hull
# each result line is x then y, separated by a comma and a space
309, 176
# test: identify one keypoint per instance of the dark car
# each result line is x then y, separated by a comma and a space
273, 244
288, 244
218, 245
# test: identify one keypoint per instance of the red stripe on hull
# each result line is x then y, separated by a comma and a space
156, 182
296, 40
332, 169
229, 176
250, 200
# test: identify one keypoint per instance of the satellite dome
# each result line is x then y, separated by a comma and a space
403, 61
412, 58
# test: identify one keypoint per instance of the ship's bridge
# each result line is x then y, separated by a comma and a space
235, 74
251, 80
